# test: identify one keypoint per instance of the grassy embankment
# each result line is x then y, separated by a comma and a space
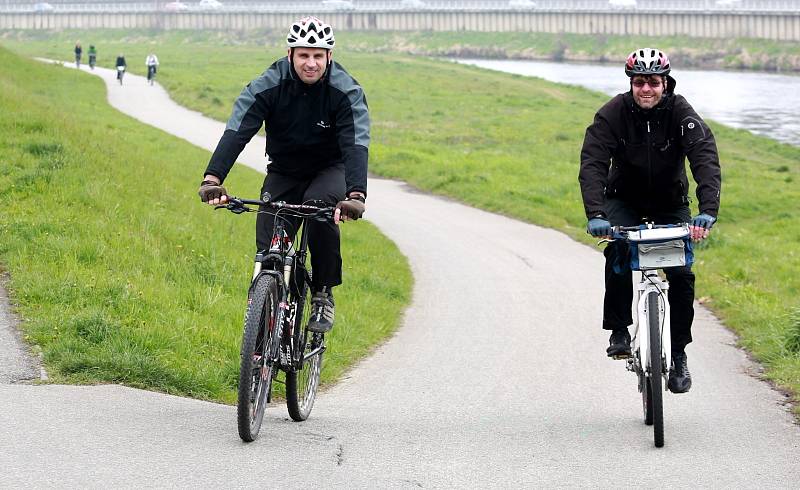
118, 271
686, 52
510, 144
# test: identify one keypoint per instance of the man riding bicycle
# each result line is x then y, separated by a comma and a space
78, 54
632, 171
317, 130
92, 56
152, 66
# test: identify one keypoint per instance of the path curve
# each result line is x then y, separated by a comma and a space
497, 378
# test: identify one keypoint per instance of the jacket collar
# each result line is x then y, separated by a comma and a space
667, 101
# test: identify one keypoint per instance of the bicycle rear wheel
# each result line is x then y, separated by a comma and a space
654, 382
302, 384
256, 371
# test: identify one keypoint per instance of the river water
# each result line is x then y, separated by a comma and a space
764, 103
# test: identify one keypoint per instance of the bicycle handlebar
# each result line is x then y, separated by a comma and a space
238, 206
620, 232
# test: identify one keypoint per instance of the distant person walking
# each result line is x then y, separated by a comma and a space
121, 67
152, 66
78, 53
92, 56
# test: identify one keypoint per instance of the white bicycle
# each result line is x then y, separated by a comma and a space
653, 247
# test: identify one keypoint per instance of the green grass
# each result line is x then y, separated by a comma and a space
685, 52
119, 272
511, 144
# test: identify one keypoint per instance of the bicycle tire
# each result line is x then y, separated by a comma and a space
656, 369
302, 384
255, 373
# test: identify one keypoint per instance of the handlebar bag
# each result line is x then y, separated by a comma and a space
660, 248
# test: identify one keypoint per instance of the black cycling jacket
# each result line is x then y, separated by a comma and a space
638, 156
308, 127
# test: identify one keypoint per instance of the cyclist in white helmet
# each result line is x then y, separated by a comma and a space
633, 170
317, 130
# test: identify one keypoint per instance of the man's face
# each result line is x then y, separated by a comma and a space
647, 90
310, 63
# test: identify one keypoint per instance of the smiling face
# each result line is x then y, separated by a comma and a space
310, 63
647, 90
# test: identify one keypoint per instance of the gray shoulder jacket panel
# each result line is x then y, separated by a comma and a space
250, 110
352, 127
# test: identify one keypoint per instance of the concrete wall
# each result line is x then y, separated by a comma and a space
767, 25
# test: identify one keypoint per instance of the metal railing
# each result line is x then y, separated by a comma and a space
56, 6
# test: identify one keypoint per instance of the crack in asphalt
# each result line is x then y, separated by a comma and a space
340, 455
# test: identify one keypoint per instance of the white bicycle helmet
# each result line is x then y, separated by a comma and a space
647, 61
310, 32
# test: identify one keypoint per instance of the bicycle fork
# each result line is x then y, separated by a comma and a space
651, 282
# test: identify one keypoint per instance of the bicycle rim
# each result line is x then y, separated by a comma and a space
656, 368
256, 370
647, 398
302, 384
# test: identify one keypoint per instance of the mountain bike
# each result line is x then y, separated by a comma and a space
120, 73
92, 61
151, 74
652, 248
275, 337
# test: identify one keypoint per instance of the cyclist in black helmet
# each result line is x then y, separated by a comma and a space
633, 170
317, 126
92, 56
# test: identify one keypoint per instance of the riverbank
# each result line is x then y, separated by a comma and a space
705, 53
709, 54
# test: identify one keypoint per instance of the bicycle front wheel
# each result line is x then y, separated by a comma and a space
256, 369
302, 384
656, 369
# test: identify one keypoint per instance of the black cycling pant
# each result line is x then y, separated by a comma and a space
619, 287
327, 186
151, 71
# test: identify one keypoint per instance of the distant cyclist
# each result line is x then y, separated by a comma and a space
633, 170
317, 126
152, 66
92, 56
78, 53
121, 65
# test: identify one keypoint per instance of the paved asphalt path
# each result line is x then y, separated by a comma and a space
497, 378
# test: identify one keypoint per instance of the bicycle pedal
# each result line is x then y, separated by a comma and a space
621, 357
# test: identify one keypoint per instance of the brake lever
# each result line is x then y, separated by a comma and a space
235, 206
324, 216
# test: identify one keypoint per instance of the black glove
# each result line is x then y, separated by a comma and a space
211, 190
598, 226
351, 208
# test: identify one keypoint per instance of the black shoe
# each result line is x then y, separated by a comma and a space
322, 311
619, 344
680, 380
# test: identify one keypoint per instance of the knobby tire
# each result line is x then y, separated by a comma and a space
255, 374
656, 369
302, 385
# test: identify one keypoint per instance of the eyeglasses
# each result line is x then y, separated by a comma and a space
642, 83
